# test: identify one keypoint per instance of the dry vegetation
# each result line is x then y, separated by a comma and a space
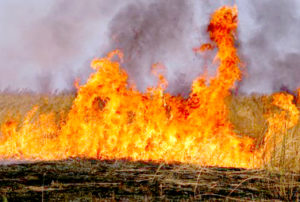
248, 114
91, 180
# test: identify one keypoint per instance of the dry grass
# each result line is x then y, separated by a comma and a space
247, 116
16, 105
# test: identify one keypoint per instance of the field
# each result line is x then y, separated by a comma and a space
87, 179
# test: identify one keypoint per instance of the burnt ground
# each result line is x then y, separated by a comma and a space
95, 180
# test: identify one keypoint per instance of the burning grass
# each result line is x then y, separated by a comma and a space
109, 119
83, 179
246, 113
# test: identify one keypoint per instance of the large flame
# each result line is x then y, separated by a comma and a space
111, 120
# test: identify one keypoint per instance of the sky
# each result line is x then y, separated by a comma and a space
45, 45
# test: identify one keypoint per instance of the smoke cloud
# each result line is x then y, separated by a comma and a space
45, 45
157, 31
272, 48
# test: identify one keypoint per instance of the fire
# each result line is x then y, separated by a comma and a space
110, 119
298, 97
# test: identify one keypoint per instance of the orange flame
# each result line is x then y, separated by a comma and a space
298, 97
111, 120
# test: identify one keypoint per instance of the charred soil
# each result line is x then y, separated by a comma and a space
95, 180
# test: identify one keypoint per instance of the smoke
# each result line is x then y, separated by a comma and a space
272, 49
157, 31
45, 45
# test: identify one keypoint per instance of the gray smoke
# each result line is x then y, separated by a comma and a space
157, 31
272, 51
45, 45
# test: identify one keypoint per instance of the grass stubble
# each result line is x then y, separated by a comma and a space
94, 180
